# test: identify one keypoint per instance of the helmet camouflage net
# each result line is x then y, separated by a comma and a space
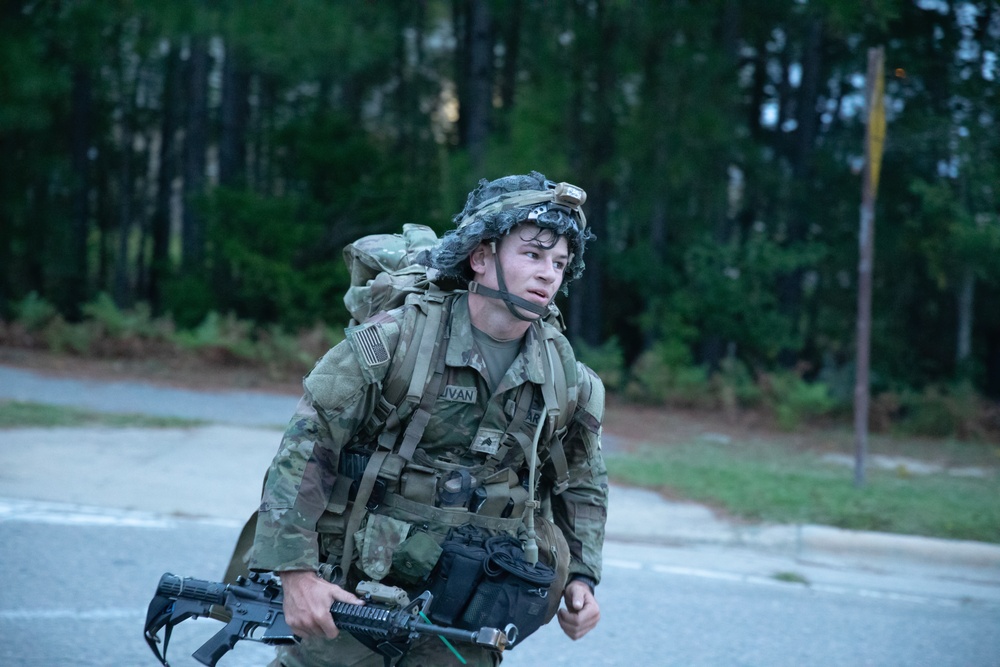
496, 207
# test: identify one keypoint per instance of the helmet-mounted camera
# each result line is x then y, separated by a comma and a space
565, 197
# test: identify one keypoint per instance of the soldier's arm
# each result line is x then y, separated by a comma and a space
340, 394
581, 510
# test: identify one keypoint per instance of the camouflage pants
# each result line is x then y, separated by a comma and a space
346, 651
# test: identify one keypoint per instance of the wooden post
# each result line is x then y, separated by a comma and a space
874, 140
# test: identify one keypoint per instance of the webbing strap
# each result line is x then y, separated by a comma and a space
418, 422
386, 418
413, 511
428, 339
517, 419
554, 377
359, 509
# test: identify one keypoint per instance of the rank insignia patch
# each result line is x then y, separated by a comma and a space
487, 441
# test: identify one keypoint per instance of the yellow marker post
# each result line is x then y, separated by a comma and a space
874, 144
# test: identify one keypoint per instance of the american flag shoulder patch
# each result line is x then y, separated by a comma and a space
370, 345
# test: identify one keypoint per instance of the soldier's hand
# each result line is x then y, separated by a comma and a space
308, 599
581, 612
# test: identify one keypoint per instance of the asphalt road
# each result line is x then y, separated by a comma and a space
244, 408
90, 518
77, 583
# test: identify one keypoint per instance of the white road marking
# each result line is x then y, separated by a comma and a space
68, 514
70, 614
758, 580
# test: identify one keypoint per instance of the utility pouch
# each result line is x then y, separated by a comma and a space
415, 558
457, 573
511, 591
378, 541
483, 581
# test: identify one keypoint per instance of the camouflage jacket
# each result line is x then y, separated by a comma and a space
295, 526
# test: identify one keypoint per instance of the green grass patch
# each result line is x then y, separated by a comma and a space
16, 414
758, 482
790, 578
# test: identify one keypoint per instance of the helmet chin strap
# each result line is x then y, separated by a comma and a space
510, 300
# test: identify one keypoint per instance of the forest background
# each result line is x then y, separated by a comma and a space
187, 174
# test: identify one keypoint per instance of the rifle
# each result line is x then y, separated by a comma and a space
387, 623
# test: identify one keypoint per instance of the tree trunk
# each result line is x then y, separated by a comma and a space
121, 290
195, 147
159, 269
235, 115
511, 34
263, 126
479, 97
73, 291
587, 313
966, 302
801, 152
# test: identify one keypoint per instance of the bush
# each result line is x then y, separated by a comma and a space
736, 386
794, 400
221, 339
607, 360
655, 380
111, 331
61, 336
281, 351
112, 321
228, 340
35, 313
39, 325
942, 410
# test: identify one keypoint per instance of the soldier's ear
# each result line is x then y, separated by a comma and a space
477, 258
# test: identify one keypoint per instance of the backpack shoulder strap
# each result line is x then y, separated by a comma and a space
428, 373
560, 395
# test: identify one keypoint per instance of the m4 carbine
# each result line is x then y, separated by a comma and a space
387, 623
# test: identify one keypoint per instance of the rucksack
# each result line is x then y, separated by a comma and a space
387, 268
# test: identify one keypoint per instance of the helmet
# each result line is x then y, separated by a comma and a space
496, 207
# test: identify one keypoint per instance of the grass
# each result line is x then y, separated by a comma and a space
790, 578
17, 414
767, 482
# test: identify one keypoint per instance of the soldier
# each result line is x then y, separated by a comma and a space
340, 485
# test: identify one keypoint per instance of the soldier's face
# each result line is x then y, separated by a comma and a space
533, 259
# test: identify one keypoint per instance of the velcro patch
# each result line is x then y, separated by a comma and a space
458, 394
371, 346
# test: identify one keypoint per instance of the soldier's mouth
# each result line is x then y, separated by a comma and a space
541, 296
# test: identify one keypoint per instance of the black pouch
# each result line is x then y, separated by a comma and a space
457, 573
511, 591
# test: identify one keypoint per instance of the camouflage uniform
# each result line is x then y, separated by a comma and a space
303, 514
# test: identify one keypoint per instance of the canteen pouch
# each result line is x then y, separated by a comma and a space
415, 558
457, 573
553, 550
511, 590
